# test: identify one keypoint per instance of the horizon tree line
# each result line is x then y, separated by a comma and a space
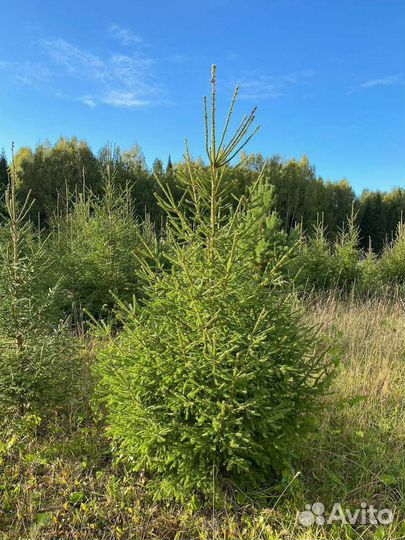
302, 198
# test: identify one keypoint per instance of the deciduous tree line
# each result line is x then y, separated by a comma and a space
301, 197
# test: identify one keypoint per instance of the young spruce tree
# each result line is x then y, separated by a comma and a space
94, 246
313, 267
38, 363
393, 259
346, 255
210, 383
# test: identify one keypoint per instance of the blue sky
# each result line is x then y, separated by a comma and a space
327, 77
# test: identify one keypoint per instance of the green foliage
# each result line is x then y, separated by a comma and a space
94, 247
50, 170
373, 220
323, 265
393, 259
263, 226
394, 205
313, 267
3, 171
300, 195
347, 255
370, 279
214, 376
38, 361
211, 383
131, 173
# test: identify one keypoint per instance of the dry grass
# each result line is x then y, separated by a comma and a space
65, 484
358, 452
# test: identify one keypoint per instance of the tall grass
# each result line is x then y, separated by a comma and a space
358, 451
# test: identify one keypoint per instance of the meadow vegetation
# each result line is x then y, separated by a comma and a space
202, 372
63, 480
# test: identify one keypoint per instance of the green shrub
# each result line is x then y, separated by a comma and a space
215, 378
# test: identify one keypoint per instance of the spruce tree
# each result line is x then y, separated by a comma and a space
347, 254
313, 267
169, 166
38, 366
393, 259
372, 221
211, 382
264, 230
93, 249
3, 171
370, 274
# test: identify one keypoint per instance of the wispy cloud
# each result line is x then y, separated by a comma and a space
385, 81
181, 58
113, 78
124, 35
87, 100
124, 99
26, 73
263, 87
74, 59
5, 65
118, 80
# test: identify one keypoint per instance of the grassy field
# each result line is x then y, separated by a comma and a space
60, 481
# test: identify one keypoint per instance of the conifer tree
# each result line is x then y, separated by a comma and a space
346, 255
3, 171
372, 221
94, 246
169, 166
370, 274
263, 225
157, 168
313, 266
393, 258
212, 380
38, 361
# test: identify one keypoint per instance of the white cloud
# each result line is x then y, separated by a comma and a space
386, 81
27, 73
74, 59
263, 87
181, 58
124, 99
131, 71
124, 35
112, 78
118, 80
88, 101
